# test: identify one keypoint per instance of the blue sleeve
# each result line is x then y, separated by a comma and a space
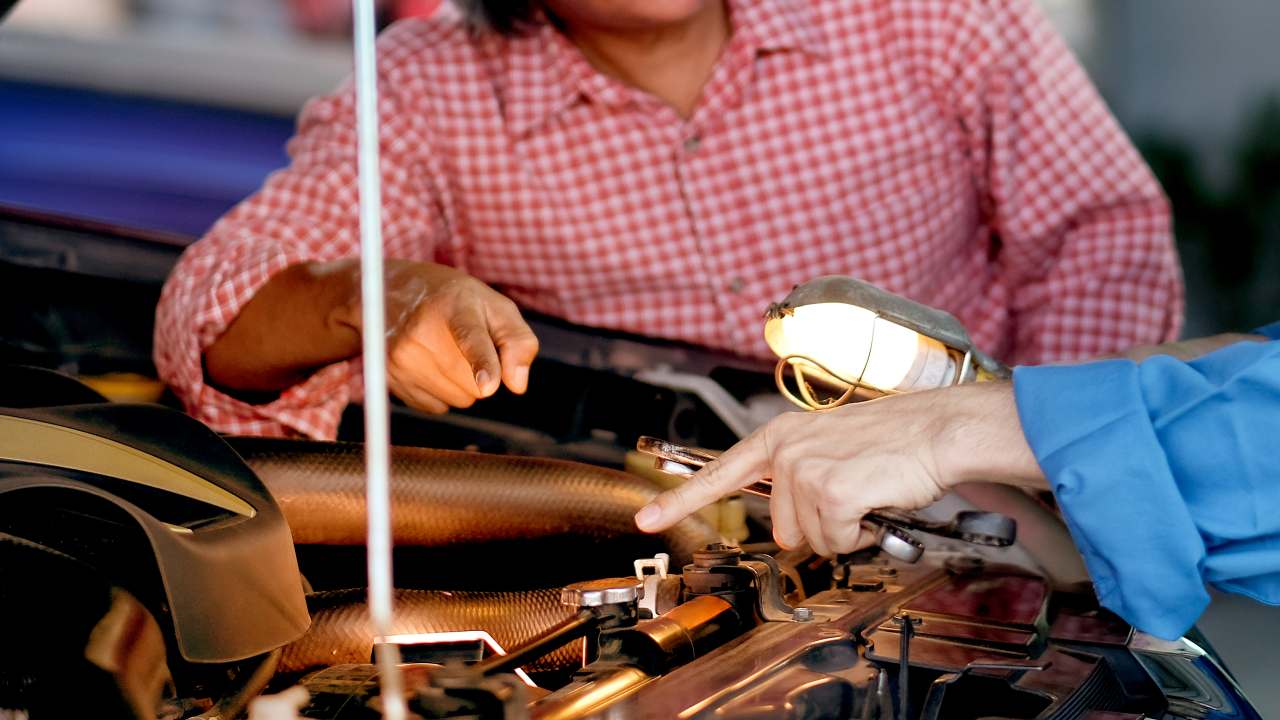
1166, 474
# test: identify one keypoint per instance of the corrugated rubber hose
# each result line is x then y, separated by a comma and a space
443, 497
341, 630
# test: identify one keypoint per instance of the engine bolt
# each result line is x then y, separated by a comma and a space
716, 554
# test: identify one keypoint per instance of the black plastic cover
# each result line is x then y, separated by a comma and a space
230, 579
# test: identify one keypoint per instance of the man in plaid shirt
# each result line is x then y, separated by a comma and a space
669, 168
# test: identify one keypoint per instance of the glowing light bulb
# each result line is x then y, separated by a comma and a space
857, 346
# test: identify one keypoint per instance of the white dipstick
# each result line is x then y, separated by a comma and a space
376, 419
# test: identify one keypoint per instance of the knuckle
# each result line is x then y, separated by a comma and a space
707, 477
785, 458
808, 483
831, 495
529, 341
504, 304
435, 302
401, 355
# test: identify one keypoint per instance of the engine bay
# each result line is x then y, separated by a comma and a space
222, 569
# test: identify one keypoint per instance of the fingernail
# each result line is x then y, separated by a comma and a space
647, 516
521, 378
482, 381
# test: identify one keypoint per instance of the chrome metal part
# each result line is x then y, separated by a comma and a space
773, 607
1194, 683
974, 527
597, 593
753, 671
899, 543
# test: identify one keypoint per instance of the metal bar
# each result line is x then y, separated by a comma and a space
904, 664
553, 637
376, 412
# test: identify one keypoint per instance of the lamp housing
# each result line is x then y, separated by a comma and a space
854, 339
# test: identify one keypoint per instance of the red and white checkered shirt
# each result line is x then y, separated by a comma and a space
952, 151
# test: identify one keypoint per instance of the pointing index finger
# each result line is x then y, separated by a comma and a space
740, 466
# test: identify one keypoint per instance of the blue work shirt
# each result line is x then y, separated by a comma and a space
1168, 474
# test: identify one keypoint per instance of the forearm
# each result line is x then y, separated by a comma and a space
980, 438
297, 322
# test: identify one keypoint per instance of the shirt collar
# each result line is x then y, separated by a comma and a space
546, 73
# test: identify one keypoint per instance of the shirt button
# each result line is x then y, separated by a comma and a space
692, 143
736, 285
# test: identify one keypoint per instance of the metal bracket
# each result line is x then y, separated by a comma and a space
773, 606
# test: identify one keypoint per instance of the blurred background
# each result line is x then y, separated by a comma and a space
162, 114
98, 100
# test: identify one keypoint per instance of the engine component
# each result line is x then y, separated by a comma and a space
873, 639
630, 657
599, 593
341, 632
64, 626
159, 504
751, 583
442, 497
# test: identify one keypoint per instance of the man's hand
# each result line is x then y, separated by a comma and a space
831, 468
451, 339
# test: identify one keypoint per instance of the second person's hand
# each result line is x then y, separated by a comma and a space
831, 468
451, 339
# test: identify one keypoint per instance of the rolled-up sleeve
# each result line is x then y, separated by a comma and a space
1165, 473
305, 212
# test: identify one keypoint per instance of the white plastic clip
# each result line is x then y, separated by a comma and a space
658, 563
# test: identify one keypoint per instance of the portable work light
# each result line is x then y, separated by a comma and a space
846, 336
